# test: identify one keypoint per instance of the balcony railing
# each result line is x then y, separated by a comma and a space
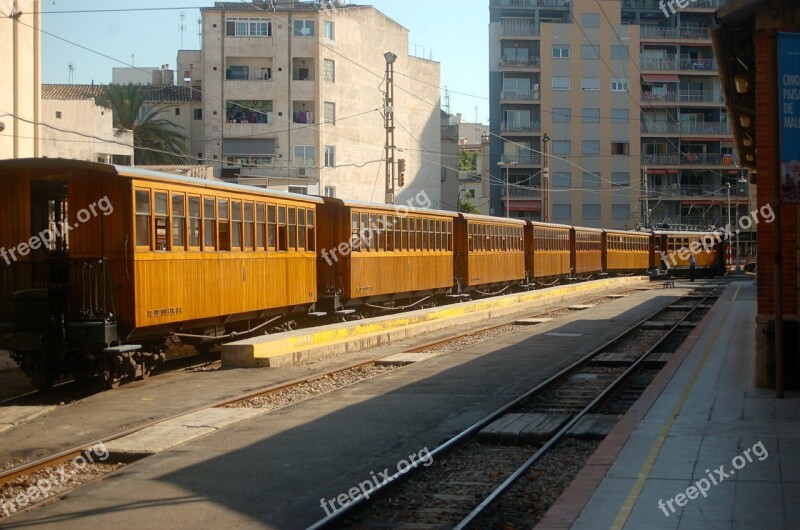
673, 63
515, 29
522, 160
656, 4
531, 3
689, 159
520, 127
513, 191
682, 96
697, 191
654, 32
450, 132
524, 62
687, 127
516, 95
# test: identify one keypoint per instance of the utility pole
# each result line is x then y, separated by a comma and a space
545, 181
646, 209
388, 114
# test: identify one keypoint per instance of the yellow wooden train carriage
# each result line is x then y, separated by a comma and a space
547, 250
587, 250
673, 248
489, 251
625, 250
373, 252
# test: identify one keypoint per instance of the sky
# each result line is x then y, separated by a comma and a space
453, 32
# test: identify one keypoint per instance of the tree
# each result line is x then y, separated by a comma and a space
467, 160
156, 141
466, 206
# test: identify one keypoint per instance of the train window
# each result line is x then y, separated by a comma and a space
380, 232
449, 235
249, 224
311, 238
404, 233
236, 225
301, 229
292, 228
194, 222
209, 224
418, 234
224, 224
162, 220
143, 218
283, 241
396, 237
272, 227
354, 236
373, 232
426, 234
261, 225
437, 224
364, 233
471, 237
178, 222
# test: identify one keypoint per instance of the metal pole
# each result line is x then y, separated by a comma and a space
545, 181
389, 125
728, 257
646, 212
777, 276
507, 201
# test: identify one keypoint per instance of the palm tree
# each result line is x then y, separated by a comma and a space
156, 141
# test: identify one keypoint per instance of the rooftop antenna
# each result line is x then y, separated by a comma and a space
446, 100
182, 26
200, 31
132, 56
71, 73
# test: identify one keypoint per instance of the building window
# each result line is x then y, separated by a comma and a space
330, 113
248, 27
590, 147
620, 211
303, 27
619, 85
591, 211
590, 83
590, 115
329, 30
590, 180
561, 147
562, 115
198, 114
560, 51
330, 156
329, 70
250, 160
590, 20
590, 51
304, 156
330, 191
562, 179
300, 190
177, 111
562, 211
619, 52
560, 83
621, 179
620, 116
620, 148
58, 114
248, 111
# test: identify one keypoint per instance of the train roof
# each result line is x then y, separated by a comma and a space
145, 174
685, 233
626, 232
492, 219
587, 229
399, 209
550, 225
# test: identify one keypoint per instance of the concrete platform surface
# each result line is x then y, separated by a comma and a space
274, 470
703, 448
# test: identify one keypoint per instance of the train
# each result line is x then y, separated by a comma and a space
108, 270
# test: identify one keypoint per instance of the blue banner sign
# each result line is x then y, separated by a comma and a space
789, 100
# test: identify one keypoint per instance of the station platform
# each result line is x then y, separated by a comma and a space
702, 448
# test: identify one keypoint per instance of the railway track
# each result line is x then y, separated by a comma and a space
270, 398
475, 469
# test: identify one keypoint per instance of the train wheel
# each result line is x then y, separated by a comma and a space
112, 372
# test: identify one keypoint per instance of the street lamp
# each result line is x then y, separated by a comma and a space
743, 181
507, 165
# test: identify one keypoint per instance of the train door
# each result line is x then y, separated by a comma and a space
49, 241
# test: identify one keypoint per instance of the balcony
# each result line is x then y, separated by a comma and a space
682, 96
512, 128
522, 160
530, 3
686, 127
449, 132
515, 191
518, 29
685, 33
656, 4
524, 62
689, 159
697, 191
672, 63
517, 96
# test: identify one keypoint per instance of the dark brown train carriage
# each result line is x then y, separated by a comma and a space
671, 251
587, 257
136, 255
385, 255
625, 251
490, 252
547, 251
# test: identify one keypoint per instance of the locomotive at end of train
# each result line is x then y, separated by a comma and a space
108, 271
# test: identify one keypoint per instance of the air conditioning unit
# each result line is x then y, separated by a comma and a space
301, 172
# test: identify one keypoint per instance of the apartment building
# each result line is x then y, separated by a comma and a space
627, 101
294, 99
20, 78
464, 184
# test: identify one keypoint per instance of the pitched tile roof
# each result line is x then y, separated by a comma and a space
155, 93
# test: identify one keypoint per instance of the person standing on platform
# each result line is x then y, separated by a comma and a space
692, 266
